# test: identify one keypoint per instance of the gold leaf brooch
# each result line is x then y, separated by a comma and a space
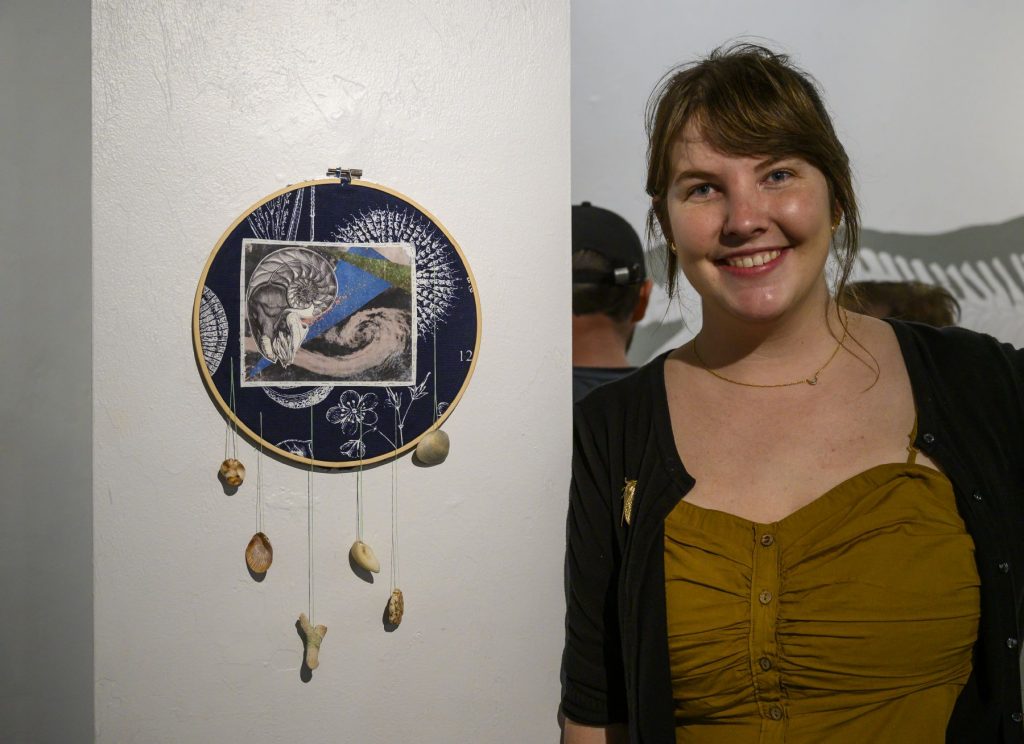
628, 490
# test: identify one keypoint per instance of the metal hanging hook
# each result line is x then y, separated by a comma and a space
345, 175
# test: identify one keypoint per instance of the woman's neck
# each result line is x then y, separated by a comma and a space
788, 345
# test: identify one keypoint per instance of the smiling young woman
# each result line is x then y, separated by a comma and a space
751, 234
802, 526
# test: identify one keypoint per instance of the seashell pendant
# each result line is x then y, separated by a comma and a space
433, 447
314, 637
396, 607
362, 555
232, 471
259, 553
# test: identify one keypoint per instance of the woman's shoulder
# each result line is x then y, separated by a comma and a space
954, 348
972, 373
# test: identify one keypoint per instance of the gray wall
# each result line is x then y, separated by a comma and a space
46, 678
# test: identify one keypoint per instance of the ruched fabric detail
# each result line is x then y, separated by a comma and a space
852, 620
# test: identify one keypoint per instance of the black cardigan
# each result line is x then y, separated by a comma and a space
969, 393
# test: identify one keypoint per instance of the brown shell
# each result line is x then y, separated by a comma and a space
232, 471
259, 553
396, 607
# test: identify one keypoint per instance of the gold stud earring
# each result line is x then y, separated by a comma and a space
672, 246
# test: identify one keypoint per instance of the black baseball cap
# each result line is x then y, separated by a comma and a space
609, 235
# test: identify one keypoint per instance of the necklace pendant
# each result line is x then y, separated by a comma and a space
813, 380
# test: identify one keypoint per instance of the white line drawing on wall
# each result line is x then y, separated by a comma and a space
213, 329
437, 281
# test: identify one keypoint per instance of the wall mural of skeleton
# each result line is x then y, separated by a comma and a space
982, 266
375, 327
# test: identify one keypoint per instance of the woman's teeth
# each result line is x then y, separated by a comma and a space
752, 260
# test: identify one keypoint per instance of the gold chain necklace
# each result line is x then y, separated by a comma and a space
812, 380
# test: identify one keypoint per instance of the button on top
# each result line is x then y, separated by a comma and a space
767, 540
1011, 643
775, 712
977, 496
764, 597
1016, 717
765, 663
1004, 567
928, 438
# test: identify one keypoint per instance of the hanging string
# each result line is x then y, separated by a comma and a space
309, 520
394, 514
259, 481
359, 489
434, 338
231, 434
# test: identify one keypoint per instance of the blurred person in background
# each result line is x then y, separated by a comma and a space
610, 292
917, 301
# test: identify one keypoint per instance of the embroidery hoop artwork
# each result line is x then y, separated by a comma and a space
345, 297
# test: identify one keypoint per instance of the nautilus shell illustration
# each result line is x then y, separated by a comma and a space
288, 290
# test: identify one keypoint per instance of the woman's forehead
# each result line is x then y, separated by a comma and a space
691, 150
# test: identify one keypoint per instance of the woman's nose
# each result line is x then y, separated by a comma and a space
746, 214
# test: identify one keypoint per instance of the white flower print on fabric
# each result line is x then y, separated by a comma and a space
353, 411
353, 448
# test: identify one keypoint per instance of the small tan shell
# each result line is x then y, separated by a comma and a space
314, 637
396, 607
433, 448
233, 472
259, 553
362, 556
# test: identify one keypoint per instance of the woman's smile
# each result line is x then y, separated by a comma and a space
752, 262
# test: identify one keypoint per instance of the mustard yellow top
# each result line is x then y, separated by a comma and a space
851, 621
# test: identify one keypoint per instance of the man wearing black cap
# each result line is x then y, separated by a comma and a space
610, 292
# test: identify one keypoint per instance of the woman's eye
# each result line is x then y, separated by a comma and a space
701, 190
779, 176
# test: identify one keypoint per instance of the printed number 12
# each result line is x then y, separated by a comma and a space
465, 355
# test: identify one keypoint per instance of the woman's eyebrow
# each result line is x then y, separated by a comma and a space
773, 161
694, 173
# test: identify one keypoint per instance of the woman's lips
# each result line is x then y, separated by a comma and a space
749, 264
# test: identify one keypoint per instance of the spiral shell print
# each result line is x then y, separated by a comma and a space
288, 290
307, 278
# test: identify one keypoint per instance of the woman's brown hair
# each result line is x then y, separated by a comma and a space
747, 100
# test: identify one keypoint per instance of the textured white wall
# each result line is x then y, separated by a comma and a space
924, 96
199, 110
45, 400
